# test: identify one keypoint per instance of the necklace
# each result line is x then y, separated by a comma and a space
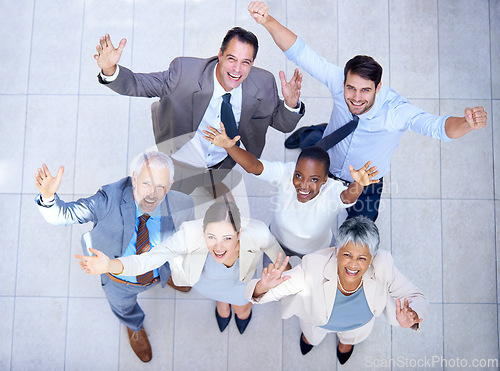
350, 292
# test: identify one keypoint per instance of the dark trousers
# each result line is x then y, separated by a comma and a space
368, 202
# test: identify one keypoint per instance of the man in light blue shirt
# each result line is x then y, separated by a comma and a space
116, 211
384, 115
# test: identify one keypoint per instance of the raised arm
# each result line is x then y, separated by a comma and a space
362, 178
474, 119
47, 184
281, 35
272, 276
245, 159
108, 56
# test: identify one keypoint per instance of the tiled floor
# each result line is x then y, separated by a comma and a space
438, 217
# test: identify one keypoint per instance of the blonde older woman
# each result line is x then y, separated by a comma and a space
342, 290
217, 256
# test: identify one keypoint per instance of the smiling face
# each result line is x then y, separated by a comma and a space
359, 93
235, 64
308, 178
150, 187
223, 242
352, 262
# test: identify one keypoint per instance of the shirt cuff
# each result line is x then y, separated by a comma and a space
112, 77
47, 203
294, 110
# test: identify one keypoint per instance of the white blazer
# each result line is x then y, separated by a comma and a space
310, 292
186, 252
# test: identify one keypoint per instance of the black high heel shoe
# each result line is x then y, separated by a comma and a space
242, 323
343, 357
222, 322
304, 347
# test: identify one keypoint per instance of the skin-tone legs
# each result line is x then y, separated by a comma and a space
242, 311
343, 348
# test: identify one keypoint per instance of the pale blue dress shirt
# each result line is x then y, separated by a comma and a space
379, 129
154, 228
349, 312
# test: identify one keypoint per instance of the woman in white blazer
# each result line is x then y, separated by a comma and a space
217, 256
342, 290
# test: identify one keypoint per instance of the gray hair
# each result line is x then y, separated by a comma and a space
154, 159
360, 231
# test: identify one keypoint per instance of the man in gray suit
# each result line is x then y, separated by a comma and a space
133, 213
191, 95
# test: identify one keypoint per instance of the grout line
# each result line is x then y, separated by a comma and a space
74, 184
390, 175
440, 185
494, 177
21, 195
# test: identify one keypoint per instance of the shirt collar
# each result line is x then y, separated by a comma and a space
379, 100
219, 90
154, 215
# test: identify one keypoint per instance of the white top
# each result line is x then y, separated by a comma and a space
303, 227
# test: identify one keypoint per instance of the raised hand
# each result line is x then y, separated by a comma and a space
107, 56
291, 89
364, 175
476, 117
406, 316
220, 138
272, 275
97, 264
259, 11
47, 184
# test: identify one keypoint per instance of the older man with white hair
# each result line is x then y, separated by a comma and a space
130, 217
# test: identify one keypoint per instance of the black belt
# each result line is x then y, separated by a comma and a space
344, 182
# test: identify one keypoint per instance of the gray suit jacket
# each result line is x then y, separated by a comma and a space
185, 90
112, 210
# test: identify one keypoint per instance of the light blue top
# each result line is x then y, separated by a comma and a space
349, 312
220, 283
379, 129
154, 228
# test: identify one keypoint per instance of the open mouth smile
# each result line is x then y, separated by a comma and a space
351, 272
303, 193
234, 77
220, 255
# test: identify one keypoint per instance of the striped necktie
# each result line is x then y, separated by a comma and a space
338, 135
143, 245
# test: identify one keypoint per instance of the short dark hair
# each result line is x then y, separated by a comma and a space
365, 67
243, 36
317, 154
223, 211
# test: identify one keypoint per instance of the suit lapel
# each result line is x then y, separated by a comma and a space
330, 286
248, 105
201, 98
370, 287
246, 255
127, 208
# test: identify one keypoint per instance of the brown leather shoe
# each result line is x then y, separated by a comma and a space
178, 288
140, 344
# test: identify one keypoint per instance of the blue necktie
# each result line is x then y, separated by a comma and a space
227, 117
338, 135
